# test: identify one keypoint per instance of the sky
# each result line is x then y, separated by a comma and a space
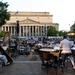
63, 11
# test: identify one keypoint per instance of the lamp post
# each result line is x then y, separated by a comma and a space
17, 25
69, 27
17, 28
69, 30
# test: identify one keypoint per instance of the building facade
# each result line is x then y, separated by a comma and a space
30, 23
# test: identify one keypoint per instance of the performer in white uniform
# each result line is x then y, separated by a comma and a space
66, 45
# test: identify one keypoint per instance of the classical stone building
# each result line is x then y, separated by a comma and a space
30, 23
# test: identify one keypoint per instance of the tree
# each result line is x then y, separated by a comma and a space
62, 33
73, 28
4, 15
52, 31
2, 33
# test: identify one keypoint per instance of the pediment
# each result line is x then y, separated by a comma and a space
28, 21
12, 23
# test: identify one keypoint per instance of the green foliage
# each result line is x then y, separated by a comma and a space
73, 28
4, 15
2, 33
52, 31
62, 33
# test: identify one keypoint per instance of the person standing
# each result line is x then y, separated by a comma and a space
66, 45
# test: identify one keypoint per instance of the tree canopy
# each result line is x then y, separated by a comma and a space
2, 33
73, 28
62, 33
4, 14
52, 31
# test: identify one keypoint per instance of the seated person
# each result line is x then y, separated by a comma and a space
27, 49
3, 59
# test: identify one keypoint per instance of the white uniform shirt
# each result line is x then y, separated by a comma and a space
66, 45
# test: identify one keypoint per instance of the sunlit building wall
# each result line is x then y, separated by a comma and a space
30, 23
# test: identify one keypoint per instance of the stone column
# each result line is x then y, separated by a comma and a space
5, 28
29, 31
38, 30
23, 30
41, 30
32, 31
20, 31
26, 30
8, 28
14, 30
35, 30
11, 30
2, 28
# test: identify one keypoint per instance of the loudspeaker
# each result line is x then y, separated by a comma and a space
17, 28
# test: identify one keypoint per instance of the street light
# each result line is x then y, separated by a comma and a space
17, 27
69, 30
69, 27
17, 24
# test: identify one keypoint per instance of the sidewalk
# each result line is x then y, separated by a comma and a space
31, 68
